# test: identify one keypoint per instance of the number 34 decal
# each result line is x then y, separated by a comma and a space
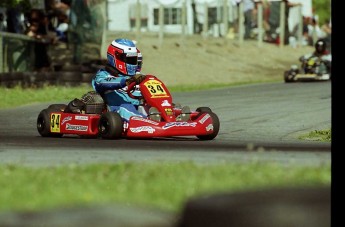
156, 89
55, 122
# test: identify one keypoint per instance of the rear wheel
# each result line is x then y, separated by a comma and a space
288, 76
204, 110
43, 124
216, 126
110, 125
57, 107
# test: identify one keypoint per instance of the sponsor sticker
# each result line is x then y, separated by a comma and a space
66, 119
148, 129
204, 118
145, 120
179, 124
169, 111
209, 127
165, 103
82, 118
76, 127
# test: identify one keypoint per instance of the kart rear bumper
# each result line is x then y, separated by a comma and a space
78, 124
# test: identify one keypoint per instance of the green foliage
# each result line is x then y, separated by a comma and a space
322, 9
318, 135
23, 4
163, 185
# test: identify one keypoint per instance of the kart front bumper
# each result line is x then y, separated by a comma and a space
312, 77
146, 128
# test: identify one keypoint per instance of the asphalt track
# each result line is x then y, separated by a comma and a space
258, 122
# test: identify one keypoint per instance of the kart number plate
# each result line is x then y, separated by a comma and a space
156, 89
55, 122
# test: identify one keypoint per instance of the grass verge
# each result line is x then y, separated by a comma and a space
318, 135
166, 186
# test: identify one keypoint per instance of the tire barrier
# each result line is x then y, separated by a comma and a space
11, 80
39, 79
305, 206
63, 75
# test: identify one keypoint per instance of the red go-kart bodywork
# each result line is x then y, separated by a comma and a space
202, 123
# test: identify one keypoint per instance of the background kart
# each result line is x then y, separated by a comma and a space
94, 120
313, 69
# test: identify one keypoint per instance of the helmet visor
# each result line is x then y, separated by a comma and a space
129, 59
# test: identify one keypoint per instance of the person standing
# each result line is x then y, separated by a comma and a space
288, 5
3, 25
248, 10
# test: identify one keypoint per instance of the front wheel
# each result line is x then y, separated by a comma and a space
110, 125
216, 126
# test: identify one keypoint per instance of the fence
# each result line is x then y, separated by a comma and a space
17, 64
190, 17
16, 52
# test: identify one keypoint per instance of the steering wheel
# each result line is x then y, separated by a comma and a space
130, 91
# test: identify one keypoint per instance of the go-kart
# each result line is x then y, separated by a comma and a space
312, 69
92, 118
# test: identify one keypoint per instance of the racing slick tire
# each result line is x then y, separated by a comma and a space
43, 124
216, 125
110, 125
288, 77
204, 110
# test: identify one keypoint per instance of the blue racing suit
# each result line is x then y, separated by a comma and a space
114, 92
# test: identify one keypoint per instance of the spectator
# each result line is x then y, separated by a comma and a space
58, 14
79, 22
32, 29
266, 14
315, 31
274, 20
62, 28
3, 26
248, 10
327, 30
288, 5
234, 20
197, 24
307, 40
38, 29
14, 22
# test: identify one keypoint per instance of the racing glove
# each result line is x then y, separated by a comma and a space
138, 78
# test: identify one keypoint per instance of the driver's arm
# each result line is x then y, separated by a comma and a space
105, 81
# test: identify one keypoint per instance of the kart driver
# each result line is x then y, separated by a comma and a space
320, 52
123, 67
